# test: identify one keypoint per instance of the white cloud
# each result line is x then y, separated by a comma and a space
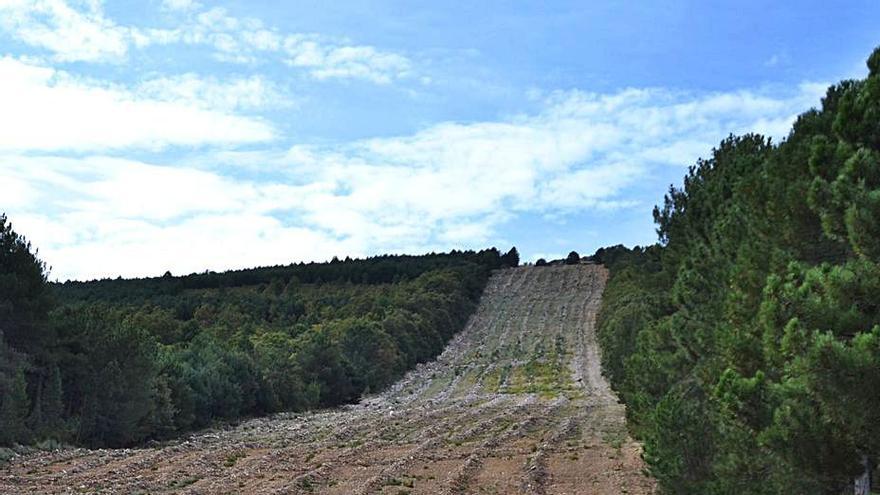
48, 109
180, 5
582, 152
243, 40
92, 216
594, 187
90, 247
71, 34
346, 62
18, 192
86, 34
451, 185
244, 93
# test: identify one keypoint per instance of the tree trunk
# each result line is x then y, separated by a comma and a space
863, 482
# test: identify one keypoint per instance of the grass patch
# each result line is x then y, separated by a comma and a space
405, 482
547, 379
438, 383
467, 381
231, 459
306, 484
615, 438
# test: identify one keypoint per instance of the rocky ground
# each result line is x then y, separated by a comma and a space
515, 404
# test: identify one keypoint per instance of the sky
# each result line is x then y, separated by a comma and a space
143, 136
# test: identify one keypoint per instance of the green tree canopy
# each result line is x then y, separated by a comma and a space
24, 295
745, 343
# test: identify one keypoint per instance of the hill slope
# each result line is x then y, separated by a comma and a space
515, 404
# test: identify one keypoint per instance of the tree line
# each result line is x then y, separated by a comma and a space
118, 362
746, 343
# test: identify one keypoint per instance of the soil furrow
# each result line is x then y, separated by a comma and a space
516, 403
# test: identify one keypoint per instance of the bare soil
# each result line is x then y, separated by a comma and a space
515, 404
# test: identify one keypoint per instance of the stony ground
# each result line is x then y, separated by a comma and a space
516, 404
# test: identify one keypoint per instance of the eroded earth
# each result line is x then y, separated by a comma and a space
515, 404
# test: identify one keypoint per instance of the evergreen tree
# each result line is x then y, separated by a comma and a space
119, 383
747, 343
510, 258
24, 294
14, 407
52, 405
120, 361
35, 418
162, 415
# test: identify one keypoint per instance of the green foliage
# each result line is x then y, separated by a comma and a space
14, 406
123, 361
24, 295
117, 380
24, 300
46, 416
747, 343
511, 258
165, 291
681, 461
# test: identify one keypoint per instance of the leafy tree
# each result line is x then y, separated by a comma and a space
325, 371
573, 258
370, 354
282, 379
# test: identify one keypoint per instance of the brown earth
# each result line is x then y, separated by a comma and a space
516, 404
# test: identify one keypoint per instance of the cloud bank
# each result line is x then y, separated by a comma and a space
46, 109
450, 185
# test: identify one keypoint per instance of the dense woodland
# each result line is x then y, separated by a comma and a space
118, 362
746, 344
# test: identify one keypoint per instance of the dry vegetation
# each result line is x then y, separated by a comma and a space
515, 404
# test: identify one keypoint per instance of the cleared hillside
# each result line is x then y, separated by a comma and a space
515, 404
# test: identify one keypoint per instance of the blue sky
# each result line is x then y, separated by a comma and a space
144, 136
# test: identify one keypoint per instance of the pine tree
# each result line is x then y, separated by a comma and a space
14, 412
24, 293
511, 258
52, 405
163, 413
35, 419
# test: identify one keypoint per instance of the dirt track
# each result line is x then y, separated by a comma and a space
515, 404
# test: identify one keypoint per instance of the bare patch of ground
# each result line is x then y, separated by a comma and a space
515, 404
